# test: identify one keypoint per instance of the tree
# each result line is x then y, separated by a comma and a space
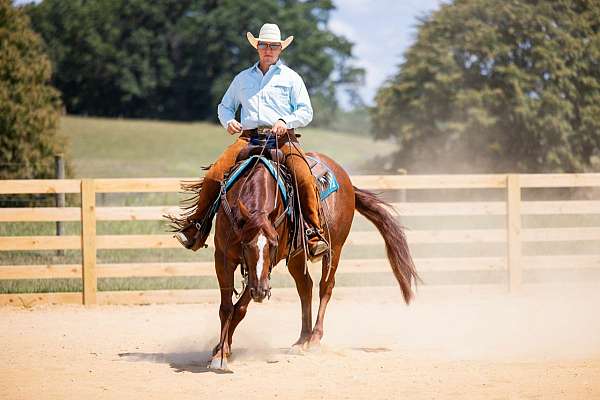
174, 58
29, 106
498, 86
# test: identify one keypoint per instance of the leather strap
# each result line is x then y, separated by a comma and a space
283, 139
227, 208
250, 132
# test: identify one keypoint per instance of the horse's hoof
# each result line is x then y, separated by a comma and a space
314, 346
296, 349
219, 364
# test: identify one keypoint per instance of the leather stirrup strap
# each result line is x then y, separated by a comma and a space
227, 209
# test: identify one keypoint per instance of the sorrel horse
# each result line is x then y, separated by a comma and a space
249, 236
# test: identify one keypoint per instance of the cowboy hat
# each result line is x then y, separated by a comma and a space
269, 33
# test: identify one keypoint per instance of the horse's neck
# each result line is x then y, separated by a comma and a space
259, 190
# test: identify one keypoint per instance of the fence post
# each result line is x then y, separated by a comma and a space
59, 166
88, 240
402, 194
513, 229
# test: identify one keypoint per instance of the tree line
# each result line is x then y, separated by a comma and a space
487, 86
173, 59
500, 86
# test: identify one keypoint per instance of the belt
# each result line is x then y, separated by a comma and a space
250, 132
291, 133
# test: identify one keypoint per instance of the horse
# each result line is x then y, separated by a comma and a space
253, 232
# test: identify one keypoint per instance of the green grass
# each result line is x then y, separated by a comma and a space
115, 148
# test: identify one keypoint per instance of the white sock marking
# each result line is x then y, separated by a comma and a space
261, 242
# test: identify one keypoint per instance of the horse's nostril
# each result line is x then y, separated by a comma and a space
258, 293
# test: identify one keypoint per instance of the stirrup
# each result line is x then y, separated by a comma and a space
314, 232
317, 249
181, 238
187, 242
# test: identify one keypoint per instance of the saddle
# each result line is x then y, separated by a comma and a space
262, 145
266, 146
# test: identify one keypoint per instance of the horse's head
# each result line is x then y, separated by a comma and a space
259, 241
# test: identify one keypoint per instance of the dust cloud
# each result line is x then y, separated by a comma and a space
546, 322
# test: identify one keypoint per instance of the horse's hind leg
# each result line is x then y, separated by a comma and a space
304, 284
325, 289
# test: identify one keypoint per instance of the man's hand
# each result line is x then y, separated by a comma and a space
279, 128
234, 127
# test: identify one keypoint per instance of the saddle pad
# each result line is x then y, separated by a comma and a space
327, 182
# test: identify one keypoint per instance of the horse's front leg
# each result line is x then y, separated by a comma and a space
239, 312
304, 283
225, 275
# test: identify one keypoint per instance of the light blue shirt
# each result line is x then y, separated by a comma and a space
280, 93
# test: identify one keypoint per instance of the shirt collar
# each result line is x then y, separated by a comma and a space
278, 64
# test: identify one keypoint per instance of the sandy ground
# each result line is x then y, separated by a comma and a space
468, 342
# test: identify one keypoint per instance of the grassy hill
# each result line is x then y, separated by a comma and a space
140, 148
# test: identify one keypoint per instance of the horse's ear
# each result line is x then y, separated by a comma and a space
243, 211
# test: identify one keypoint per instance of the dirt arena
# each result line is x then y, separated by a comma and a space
467, 342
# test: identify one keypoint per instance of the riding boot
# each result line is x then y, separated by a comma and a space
317, 246
295, 160
194, 234
309, 196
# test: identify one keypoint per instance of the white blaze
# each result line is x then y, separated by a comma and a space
261, 242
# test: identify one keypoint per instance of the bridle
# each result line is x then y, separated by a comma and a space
273, 251
237, 229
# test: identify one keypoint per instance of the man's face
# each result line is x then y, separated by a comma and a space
268, 53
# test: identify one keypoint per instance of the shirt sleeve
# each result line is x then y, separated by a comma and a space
302, 112
229, 104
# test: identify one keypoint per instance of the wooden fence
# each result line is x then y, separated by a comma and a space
513, 237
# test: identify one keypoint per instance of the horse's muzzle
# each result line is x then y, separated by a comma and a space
258, 294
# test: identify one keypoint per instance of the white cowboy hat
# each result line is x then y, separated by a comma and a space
269, 33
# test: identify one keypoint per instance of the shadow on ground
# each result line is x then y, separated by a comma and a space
195, 362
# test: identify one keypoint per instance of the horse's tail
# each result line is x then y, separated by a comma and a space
398, 253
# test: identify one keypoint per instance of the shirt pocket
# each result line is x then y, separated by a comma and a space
280, 93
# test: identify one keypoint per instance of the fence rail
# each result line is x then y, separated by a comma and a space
512, 238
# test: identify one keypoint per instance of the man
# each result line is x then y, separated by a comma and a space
273, 98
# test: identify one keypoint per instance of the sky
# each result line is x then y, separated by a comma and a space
381, 31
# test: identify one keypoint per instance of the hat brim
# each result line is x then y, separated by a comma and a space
254, 41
